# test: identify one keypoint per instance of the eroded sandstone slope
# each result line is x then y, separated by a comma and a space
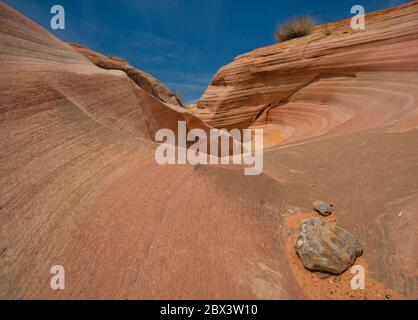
322, 83
141, 78
340, 117
80, 186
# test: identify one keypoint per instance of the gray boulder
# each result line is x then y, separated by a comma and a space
322, 246
324, 208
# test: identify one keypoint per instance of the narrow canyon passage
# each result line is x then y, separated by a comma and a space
80, 186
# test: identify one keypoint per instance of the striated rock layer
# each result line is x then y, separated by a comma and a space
80, 188
340, 119
322, 84
79, 185
141, 78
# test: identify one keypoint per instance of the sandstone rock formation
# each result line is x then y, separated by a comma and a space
80, 186
324, 85
141, 78
323, 246
340, 118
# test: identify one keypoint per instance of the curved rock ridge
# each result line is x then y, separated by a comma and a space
79, 186
312, 85
36, 60
141, 78
340, 120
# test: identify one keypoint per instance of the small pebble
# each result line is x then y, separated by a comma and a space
324, 208
323, 275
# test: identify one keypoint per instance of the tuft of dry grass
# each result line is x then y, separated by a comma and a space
295, 28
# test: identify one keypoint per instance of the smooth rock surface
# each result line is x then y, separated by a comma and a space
79, 185
323, 85
323, 246
146, 81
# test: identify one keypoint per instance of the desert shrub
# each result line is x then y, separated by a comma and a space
295, 28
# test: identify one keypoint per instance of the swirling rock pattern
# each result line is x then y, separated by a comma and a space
79, 185
80, 188
141, 78
321, 84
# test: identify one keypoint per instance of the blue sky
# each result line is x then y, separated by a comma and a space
182, 42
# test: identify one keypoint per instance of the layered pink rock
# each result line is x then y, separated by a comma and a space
312, 85
141, 78
80, 186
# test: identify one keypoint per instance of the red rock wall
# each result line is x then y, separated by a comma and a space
310, 85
